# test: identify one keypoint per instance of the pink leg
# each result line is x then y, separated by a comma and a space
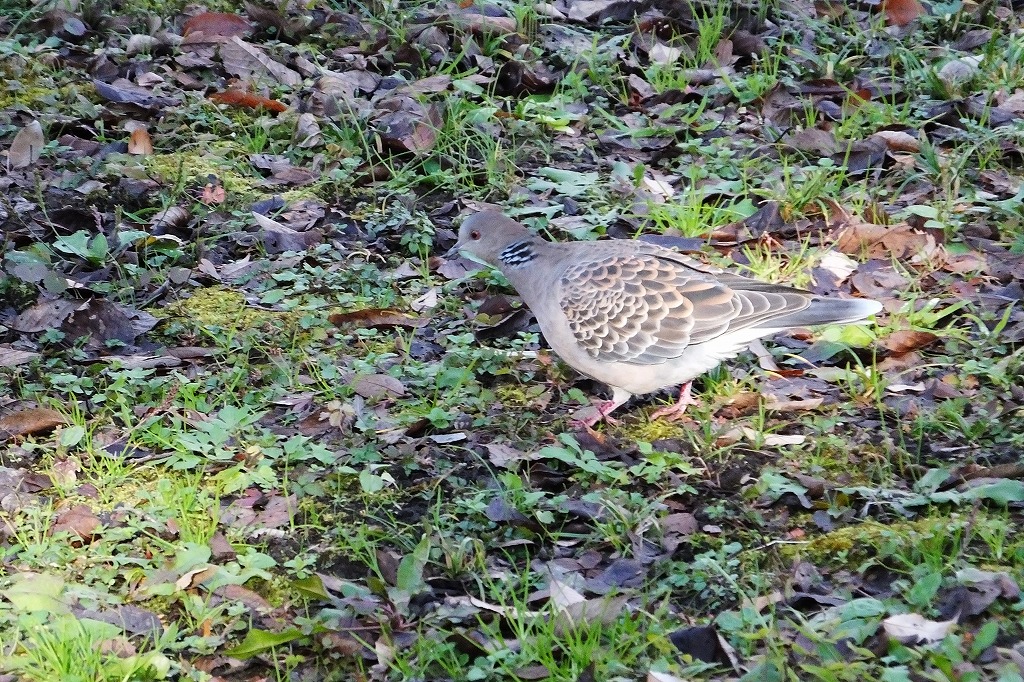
599, 411
677, 410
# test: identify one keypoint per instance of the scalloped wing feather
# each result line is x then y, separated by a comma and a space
641, 308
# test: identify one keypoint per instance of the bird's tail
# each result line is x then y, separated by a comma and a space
827, 311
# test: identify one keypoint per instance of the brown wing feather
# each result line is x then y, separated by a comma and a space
643, 309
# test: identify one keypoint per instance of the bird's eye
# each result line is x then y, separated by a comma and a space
475, 234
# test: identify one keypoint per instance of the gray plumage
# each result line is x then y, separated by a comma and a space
637, 316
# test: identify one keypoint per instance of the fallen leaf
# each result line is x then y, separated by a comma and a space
505, 456
32, 420
196, 577
248, 100
123, 91
79, 521
427, 301
249, 62
901, 12
213, 193
906, 340
27, 146
377, 318
140, 143
839, 264
703, 643
913, 628
857, 237
377, 386
793, 405
216, 24
899, 141
12, 357
959, 71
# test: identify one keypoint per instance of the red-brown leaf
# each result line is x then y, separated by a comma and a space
906, 340
217, 24
902, 12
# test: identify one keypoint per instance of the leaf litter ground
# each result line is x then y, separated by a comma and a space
255, 428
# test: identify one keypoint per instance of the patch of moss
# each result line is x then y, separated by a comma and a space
220, 307
195, 164
651, 430
838, 457
516, 395
908, 540
214, 307
25, 96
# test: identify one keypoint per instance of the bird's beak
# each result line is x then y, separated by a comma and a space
452, 252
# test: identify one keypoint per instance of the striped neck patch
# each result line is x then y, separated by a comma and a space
518, 254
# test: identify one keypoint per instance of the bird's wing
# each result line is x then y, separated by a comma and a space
644, 308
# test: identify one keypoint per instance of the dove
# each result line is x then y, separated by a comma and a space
637, 316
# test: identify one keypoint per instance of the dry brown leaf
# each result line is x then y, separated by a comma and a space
413, 129
27, 146
858, 237
813, 141
237, 593
901, 12
213, 194
140, 143
173, 217
32, 420
959, 71
196, 577
899, 141
216, 24
538, 671
79, 520
793, 405
377, 318
64, 472
248, 100
307, 132
906, 340
427, 301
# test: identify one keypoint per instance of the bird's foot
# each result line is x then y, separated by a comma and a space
587, 417
676, 410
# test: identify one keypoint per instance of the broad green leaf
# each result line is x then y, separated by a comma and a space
36, 592
72, 435
925, 589
931, 480
1001, 492
312, 587
410, 568
259, 641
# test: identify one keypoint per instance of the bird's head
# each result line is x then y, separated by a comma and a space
487, 237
